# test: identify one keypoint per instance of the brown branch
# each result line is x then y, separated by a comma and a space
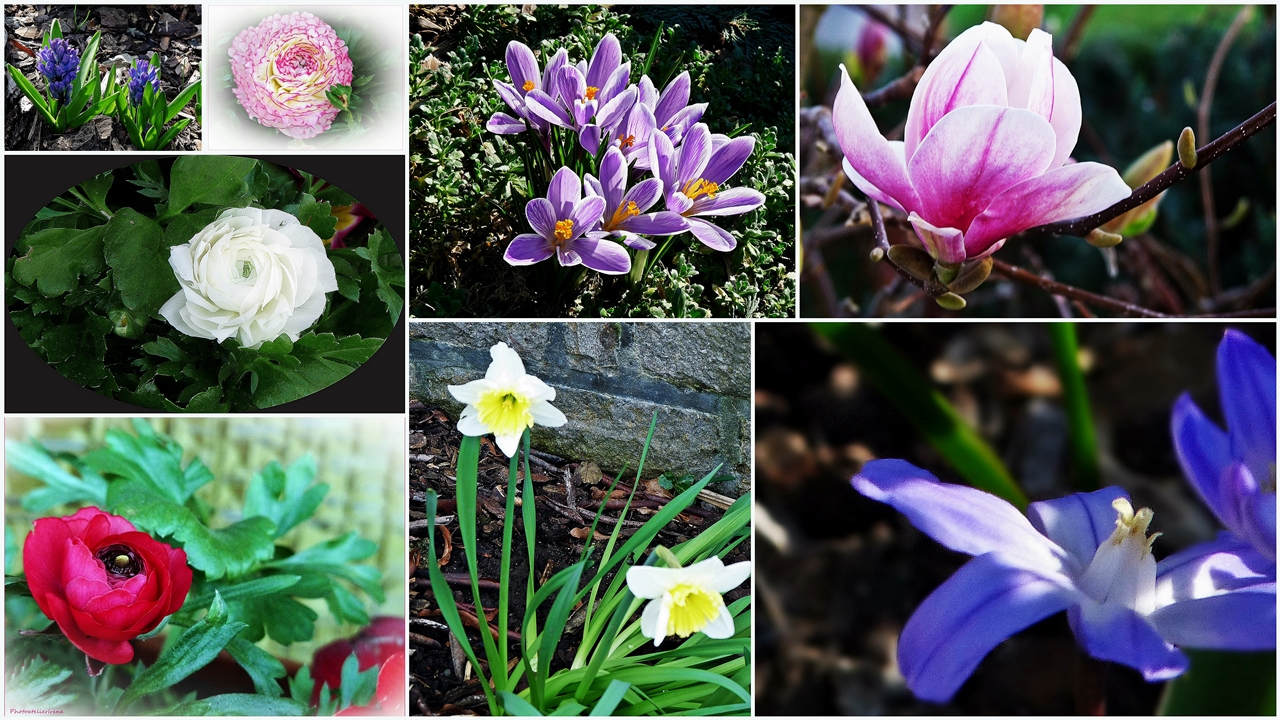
1076, 33
1205, 155
909, 37
1202, 127
904, 86
931, 288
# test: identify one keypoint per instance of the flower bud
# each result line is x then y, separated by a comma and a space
971, 275
950, 301
124, 324
1187, 148
1019, 20
913, 260
1100, 238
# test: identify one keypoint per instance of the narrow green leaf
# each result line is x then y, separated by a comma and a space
468, 458
914, 396
258, 587
61, 486
240, 704
33, 95
1075, 398
262, 666
180, 102
605, 706
515, 705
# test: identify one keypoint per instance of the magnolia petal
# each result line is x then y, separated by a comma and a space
734, 201
1070, 191
721, 626
1108, 631
712, 236
503, 124
1204, 451
1247, 386
871, 191
1043, 85
962, 518
522, 66
876, 161
527, 249
946, 245
541, 216
979, 606
972, 155
603, 256
1067, 114
967, 72
728, 159
1078, 523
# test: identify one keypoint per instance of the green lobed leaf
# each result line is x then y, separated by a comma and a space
134, 246
384, 259
258, 587
316, 215
151, 457
262, 666
345, 606
356, 687
316, 362
196, 647
56, 259
208, 180
240, 704
34, 685
283, 618
338, 557
286, 497
78, 349
301, 684
61, 486
96, 188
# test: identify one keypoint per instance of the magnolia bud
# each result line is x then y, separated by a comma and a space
1019, 20
1152, 163
1100, 238
1187, 148
972, 274
950, 301
913, 260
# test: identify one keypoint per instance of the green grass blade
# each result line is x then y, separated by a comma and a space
653, 49
619, 616
569, 709
171, 134
605, 706
914, 396
1224, 683
515, 705
556, 621
529, 520
1075, 398
467, 488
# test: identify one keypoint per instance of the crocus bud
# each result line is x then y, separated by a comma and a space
1187, 148
59, 63
1019, 20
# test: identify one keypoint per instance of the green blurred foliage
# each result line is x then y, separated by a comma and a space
468, 186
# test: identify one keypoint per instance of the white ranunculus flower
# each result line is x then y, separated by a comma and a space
250, 274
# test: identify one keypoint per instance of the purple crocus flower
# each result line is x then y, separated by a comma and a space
625, 210
668, 112
692, 178
1235, 473
560, 221
139, 75
591, 99
523, 68
59, 63
1087, 553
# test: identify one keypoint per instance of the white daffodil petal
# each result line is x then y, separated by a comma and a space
506, 366
649, 618
730, 577
470, 392
721, 627
508, 444
547, 415
470, 426
649, 582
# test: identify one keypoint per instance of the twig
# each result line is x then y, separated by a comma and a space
1202, 127
909, 37
815, 271
1075, 33
899, 89
1205, 155
931, 288
931, 34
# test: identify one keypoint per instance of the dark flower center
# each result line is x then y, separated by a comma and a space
120, 560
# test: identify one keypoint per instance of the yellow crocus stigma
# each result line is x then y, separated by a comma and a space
591, 92
691, 608
564, 230
528, 85
1132, 524
623, 212
695, 188
504, 412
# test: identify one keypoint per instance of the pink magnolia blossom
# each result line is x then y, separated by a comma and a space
282, 68
987, 146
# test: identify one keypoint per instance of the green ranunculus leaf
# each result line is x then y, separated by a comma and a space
61, 486
34, 684
286, 497
56, 259
196, 647
151, 457
301, 684
345, 606
96, 188
209, 180
261, 665
339, 557
316, 362
208, 401
181, 229
286, 620
240, 704
357, 687
78, 350
317, 216
135, 249
384, 259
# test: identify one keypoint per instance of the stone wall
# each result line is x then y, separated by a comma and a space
609, 378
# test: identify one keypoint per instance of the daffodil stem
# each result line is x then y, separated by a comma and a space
505, 576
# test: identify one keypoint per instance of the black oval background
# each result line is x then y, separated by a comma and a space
380, 385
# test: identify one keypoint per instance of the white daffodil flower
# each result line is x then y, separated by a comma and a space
506, 401
686, 600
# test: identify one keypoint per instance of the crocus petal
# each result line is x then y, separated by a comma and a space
644, 194
542, 105
564, 192
1240, 620
503, 124
526, 249
513, 97
962, 518
1204, 452
613, 177
946, 245
571, 86
617, 83
983, 603
606, 58
695, 151
874, 159
552, 70
1113, 632
586, 213
603, 256
662, 163
1247, 385
682, 121
648, 94
522, 65
967, 72
659, 223
1063, 193
710, 235
589, 137
734, 201
675, 96
973, 154
635, 242
541, 216
728, 159
616, 109
1077, 523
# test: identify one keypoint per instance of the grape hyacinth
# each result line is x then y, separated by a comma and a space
59, 63
139, 76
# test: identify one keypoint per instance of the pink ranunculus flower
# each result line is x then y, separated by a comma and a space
282, 68
986, 152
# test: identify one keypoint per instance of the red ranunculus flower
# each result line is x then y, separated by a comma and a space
374, 645
102, 581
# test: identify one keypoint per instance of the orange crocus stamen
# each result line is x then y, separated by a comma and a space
696, 188
628, 141
591, 92
528, 85
564, 231
623, 212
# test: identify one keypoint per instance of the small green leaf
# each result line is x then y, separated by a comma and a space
56, 259
301, 685
338, 557
286, 497
208, 180
316, 362
134, 247
195, 648
151, 457
345, 606
317, 216
34, 685
261, 665
240, 704
61, 487
96, 188
182, 228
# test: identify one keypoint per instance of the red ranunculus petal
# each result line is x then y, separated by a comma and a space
109, 650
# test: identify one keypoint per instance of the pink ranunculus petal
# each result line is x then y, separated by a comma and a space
1063, 193
876, 161
973, 154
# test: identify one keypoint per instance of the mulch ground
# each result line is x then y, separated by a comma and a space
567, 496
128, 32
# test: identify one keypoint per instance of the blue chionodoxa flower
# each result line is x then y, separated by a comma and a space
59, 63
1087, 553
139, 76
1235, 473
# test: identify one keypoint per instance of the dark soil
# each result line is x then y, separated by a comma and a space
135, 31
438, 665
836, 594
